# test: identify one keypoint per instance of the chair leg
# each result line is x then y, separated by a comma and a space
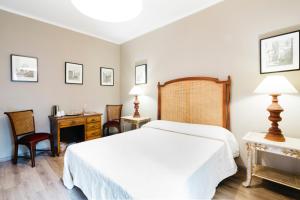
119, 129
32, 155
105, 131
108, 133
15, 158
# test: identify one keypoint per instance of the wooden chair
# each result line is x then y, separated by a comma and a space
23, 129
113, 113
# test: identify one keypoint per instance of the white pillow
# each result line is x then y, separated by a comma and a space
198, 130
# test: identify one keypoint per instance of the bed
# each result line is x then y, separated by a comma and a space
183, 155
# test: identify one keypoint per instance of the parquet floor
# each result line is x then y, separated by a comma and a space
21, 182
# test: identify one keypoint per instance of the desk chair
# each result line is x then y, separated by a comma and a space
23, 130
113, 113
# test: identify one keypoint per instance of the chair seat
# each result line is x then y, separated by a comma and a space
34, 138
112, 124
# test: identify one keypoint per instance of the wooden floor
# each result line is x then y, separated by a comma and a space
21, 182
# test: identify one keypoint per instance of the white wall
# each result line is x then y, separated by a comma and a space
219, 41
53, 46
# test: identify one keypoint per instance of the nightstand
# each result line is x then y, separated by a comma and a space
137, 122
255, 143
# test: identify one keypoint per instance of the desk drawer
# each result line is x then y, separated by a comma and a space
93, 119
93, 126
92, 134
71, 122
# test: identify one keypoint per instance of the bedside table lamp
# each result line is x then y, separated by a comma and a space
136, 91
275, 86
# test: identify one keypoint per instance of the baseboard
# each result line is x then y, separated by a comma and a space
21, 153
4, 159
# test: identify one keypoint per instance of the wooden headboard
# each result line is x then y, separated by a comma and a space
197, 100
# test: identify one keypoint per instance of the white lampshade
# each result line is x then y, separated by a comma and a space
275, 85
136, 91
109, 10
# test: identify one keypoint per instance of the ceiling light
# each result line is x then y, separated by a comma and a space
110, 10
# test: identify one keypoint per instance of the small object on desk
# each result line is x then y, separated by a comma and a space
54, 110
60, 113
84, 108
89, 113
73, 114
257, 143
136, 121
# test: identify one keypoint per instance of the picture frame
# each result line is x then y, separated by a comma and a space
141, 74
280, 53
107, 76
73, 73
24, 68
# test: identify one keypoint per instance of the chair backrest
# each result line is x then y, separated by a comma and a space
114, 112
22, 122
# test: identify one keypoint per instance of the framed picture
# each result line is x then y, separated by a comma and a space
24, 68
141, 74
73, 73
106, 76
280, 53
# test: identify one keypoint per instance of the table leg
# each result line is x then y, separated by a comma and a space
137, 125
55, 131
123, 126
247, 183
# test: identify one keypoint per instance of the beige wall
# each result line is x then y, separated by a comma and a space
53, 46
222, 40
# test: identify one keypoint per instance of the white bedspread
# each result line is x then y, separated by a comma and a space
162, 160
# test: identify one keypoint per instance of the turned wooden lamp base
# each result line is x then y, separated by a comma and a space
275, 137
136, 113
275, 109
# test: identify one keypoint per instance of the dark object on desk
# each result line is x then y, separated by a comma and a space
88, 128
54, 110
23, 129
72, 114
113, 113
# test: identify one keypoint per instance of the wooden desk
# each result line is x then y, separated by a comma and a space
92, 127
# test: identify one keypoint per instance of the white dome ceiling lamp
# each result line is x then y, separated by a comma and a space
110, 10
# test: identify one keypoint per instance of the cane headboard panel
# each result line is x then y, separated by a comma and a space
197, 100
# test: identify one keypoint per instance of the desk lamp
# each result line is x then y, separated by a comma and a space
275, 86
136, 91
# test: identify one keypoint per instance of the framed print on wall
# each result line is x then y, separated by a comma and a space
24, 68
73, 73
280, 53
106, 76
141, 74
